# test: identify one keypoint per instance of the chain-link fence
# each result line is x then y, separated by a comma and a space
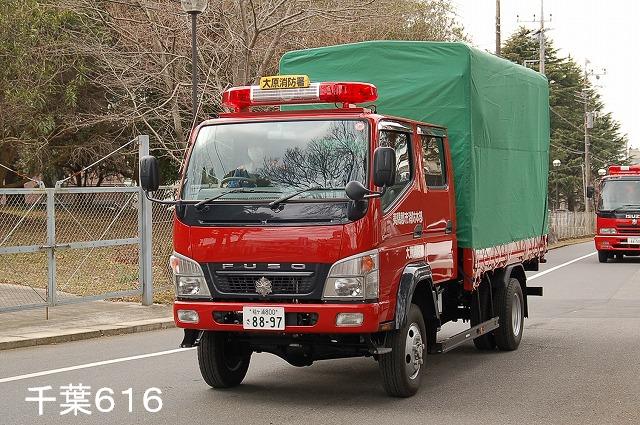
23, 265
66, 245
97, 242
571, 224
69, 244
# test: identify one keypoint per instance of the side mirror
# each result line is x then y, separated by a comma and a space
590, 191
149, 173
356, 191
384, 166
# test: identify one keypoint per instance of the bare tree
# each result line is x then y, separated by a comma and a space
131, 59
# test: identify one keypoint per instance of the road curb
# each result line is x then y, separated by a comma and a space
99, 331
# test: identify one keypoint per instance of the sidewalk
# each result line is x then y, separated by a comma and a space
80, 321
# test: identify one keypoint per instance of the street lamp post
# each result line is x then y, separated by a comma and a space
194, 8
556, 163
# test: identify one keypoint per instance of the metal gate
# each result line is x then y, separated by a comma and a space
66, 245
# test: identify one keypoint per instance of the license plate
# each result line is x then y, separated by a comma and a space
267, 318
634, 241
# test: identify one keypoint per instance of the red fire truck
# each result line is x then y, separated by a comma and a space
366, 264
352, 231
618, 213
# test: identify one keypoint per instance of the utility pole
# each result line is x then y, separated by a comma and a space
542, 52
498, 41
588, 123
541, 38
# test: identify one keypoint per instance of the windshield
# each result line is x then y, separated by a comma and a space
272, 159
620, 194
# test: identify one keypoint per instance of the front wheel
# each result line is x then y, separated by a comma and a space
603, 256
510, 306
223, 362
401, 367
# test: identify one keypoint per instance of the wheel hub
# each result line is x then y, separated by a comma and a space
414, 351
516, 314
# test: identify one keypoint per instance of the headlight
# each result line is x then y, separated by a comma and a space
188, 277
353, 278
608, 231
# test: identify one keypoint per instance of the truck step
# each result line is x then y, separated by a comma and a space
471, 333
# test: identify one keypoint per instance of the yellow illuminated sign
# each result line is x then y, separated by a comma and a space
284, 82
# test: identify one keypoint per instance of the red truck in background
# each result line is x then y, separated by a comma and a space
361, 259
618, 213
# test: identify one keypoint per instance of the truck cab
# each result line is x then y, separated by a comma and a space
618, 213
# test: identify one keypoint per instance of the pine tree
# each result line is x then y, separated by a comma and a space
567, 85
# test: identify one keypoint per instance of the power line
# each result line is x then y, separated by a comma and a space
575, 126
579, 129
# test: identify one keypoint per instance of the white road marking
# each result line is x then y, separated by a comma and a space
552, 269
88, 365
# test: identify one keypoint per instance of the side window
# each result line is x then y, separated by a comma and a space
404, 168
433, 162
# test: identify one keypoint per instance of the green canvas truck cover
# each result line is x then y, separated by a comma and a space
496, 114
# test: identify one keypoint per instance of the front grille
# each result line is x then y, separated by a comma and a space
237, 281
281, 285
629, 230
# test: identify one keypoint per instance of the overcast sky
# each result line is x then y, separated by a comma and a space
605, 32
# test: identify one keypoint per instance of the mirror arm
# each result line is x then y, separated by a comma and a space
160, 201
375, 194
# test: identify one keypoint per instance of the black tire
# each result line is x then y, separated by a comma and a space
394, 366
619, 257
223, 363
509, 334
481, 313
603, 256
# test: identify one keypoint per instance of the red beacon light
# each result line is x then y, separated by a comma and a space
622, 170
241, 98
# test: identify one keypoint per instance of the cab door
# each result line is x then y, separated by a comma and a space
438, 203
400, 206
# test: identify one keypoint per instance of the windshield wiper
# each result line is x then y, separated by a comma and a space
625, 206
274, 204
204, 202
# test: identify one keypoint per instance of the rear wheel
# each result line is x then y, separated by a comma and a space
510, 308
619, 257
603, 256
401, 368
223, 362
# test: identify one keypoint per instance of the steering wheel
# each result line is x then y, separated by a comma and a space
228, 179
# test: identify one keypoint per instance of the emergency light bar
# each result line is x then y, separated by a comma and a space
241, 98
624, 169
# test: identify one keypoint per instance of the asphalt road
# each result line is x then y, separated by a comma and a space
579, 362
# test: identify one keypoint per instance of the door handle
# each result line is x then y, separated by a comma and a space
449, 228
417, 231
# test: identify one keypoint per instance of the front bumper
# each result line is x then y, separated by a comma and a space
325, 314
616, 243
